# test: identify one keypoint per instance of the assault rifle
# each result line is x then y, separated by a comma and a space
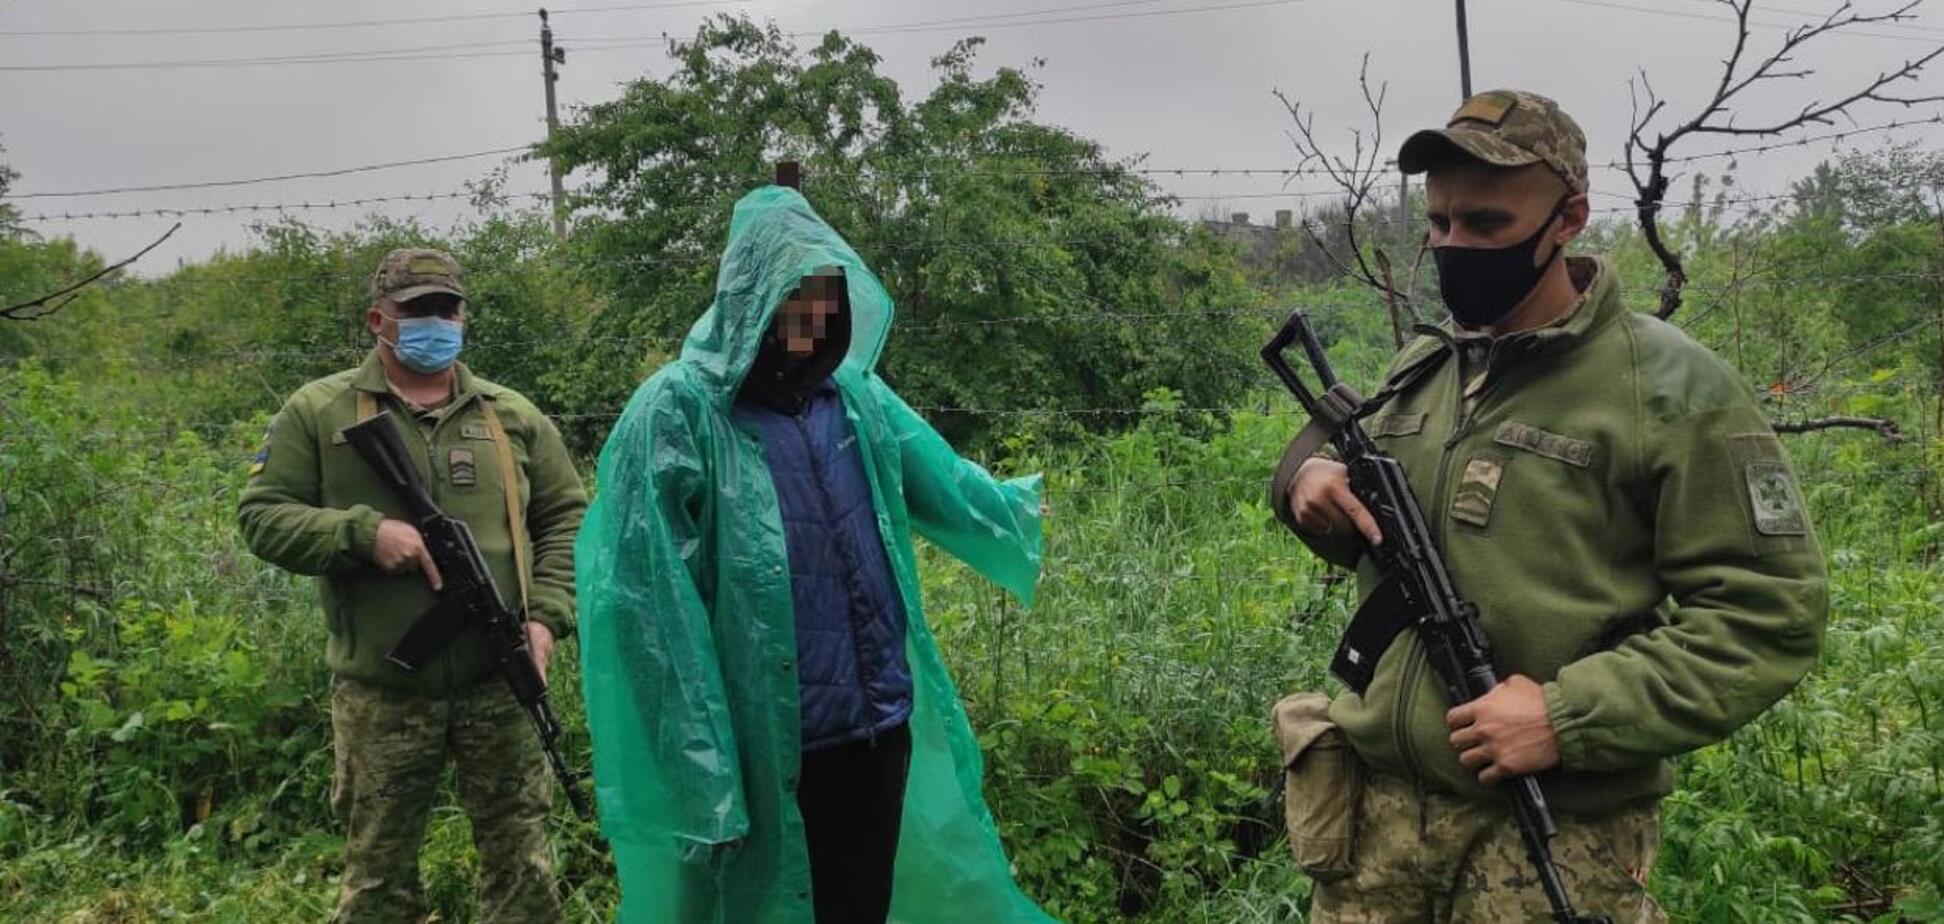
469, 598
1416, 590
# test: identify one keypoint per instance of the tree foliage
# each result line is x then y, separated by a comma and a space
970, 211
9, 215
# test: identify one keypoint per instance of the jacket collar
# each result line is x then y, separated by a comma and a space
1599, 306
371, 378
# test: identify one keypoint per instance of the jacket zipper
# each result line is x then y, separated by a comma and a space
801, 419
432, 488
1414, 666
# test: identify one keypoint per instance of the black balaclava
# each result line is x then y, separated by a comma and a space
785, 382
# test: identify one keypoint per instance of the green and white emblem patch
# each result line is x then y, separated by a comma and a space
1773, 499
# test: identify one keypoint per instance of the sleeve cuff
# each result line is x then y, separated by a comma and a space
562, 627
1561, 715
364, 531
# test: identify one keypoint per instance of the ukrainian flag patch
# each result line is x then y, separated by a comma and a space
262, 456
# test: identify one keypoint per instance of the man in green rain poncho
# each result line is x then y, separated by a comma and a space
776, 738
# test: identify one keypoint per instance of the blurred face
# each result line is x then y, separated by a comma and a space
803, 322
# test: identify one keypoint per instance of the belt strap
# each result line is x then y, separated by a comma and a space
1334, 408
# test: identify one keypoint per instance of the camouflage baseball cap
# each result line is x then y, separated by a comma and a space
1505, 128
409, 272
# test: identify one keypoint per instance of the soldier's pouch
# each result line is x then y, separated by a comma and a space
1322, 787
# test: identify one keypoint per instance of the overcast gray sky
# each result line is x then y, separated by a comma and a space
1186, 82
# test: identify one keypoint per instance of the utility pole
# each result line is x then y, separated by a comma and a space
550, 56
1464, 53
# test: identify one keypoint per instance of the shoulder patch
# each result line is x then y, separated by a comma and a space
1773, 499
262, 457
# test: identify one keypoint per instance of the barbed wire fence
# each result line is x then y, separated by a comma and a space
1823, 379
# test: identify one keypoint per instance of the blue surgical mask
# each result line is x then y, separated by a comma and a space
429, 345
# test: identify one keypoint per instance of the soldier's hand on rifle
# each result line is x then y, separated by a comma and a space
1322, 503
400, 548
1505, 733
540, 642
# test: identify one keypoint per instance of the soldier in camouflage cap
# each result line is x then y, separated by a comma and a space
1610, 496
1504, 128
410, 272
313, 506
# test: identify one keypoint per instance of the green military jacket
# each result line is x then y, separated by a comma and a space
1620, 510
313, 506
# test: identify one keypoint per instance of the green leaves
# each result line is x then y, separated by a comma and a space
1030, 271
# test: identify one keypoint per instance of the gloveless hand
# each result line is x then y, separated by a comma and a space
400, 548
1322, 503
540, 642
1506, 732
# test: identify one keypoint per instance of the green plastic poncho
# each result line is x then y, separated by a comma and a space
688, 635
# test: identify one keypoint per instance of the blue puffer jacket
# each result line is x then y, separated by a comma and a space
852, 675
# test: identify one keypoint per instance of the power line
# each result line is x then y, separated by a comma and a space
1819, 16
264, 207
208, 184
1684, 14
416, 53
267, 27
1070, 171
360, 23
1150, 171
1313, 224
234, 209
949, 24
1015, 19
1791, 143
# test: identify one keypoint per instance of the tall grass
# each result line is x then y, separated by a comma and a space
166, 752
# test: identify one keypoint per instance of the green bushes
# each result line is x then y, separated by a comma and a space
168, 747
162, 676
164, 747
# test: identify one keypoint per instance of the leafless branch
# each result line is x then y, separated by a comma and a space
1718, 116
1390, 299
1886, 428
48, 303
1356, 175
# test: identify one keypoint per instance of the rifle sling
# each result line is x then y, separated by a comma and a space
510, 480
1336, 408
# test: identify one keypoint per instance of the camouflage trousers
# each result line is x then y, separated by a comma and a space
1424, 857
391, 752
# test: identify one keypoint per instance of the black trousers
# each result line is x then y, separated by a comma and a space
852, 798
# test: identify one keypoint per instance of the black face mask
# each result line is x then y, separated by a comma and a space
1481, 285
